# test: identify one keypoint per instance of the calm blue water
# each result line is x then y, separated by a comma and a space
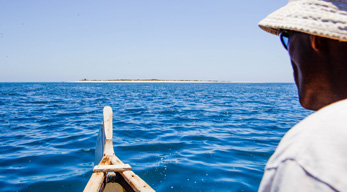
177, 137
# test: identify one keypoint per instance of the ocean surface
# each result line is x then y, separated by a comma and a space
177, 137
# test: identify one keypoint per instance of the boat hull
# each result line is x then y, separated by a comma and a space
110, 173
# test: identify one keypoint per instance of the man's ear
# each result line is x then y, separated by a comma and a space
316, 43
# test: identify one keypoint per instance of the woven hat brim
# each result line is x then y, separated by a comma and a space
326, 18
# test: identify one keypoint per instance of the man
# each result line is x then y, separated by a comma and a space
312, 156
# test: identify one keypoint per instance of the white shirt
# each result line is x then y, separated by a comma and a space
312, 156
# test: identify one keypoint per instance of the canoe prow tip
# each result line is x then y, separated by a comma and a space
108, 122
107, 108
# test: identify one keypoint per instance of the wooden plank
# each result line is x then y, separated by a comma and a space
115, 160
108, 148
111, 168
136, 182
95, 182
108, 122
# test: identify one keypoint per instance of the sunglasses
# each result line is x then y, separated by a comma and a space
284, 36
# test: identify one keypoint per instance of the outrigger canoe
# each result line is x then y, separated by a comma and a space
110, 174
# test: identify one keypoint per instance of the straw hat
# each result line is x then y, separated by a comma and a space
325, 18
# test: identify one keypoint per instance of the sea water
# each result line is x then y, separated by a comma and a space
177, 137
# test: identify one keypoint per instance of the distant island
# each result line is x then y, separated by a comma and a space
149, 81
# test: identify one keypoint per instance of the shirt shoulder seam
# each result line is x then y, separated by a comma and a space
303, 168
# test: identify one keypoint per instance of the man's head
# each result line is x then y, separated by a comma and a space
316, 31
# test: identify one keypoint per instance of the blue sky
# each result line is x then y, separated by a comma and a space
60, 40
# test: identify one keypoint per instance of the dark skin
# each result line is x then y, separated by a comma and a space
320, 69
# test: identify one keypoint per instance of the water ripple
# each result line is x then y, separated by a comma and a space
177, 137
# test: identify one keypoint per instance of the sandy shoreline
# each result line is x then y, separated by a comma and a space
139, 81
